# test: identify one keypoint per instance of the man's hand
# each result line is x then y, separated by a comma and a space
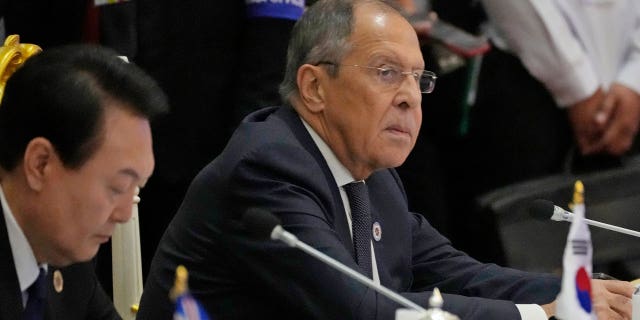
587, 119
611, 299
549, 309
621, 111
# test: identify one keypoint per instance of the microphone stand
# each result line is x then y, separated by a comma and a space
560, 214
279, 233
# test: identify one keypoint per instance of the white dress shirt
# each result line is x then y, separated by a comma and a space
572, 46
25, 262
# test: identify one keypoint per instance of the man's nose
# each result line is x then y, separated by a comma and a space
409, 94
122, 213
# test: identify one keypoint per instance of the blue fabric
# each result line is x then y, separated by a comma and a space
282, 9
34, 310
188, 308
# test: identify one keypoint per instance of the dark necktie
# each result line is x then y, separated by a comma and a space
360, 224
37, 298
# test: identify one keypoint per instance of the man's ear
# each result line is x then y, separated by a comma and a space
38, 158
310, 86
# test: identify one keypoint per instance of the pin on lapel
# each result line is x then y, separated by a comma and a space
377, 231
58, 281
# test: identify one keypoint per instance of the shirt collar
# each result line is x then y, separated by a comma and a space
340, 173
25, 261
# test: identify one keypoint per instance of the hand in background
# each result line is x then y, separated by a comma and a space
620, 117
611, 299
585, 118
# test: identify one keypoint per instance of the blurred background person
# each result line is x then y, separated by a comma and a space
555, 93
554, 81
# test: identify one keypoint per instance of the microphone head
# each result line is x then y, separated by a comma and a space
541, 209
260, 222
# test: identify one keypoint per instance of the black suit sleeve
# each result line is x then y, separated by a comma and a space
437, 264
100, 306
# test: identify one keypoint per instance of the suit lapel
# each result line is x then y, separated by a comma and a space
10, 295
339, 220
389, 209
378, 245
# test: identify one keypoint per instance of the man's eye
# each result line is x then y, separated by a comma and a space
117, 191
387, 74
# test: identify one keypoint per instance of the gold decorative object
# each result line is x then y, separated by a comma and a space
578, 194
435, 311
12, 55
180, 285
58, 281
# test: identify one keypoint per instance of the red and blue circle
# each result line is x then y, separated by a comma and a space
583, 289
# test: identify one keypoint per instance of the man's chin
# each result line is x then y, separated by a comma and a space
399, 157
82, 255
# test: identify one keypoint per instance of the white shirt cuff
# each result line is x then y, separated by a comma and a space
531, 312
628, 76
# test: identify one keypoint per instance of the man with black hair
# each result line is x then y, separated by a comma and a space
76, 142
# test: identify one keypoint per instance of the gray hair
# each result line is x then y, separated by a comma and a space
321, 35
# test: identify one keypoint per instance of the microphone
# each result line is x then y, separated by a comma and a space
541, 209
263, 224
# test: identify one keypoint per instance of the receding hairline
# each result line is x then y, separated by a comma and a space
381, 6
378, 6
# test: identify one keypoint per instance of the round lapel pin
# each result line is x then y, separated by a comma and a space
377, 231
58, 281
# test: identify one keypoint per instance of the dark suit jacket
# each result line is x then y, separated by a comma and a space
271, 162
82, 296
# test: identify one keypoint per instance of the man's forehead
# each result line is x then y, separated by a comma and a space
383, 33
372, 9
375, 18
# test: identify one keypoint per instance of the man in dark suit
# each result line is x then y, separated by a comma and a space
323, 165
76, 142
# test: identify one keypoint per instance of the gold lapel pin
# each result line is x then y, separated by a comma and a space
58, 282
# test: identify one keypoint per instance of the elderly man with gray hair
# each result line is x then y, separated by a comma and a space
323, 164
